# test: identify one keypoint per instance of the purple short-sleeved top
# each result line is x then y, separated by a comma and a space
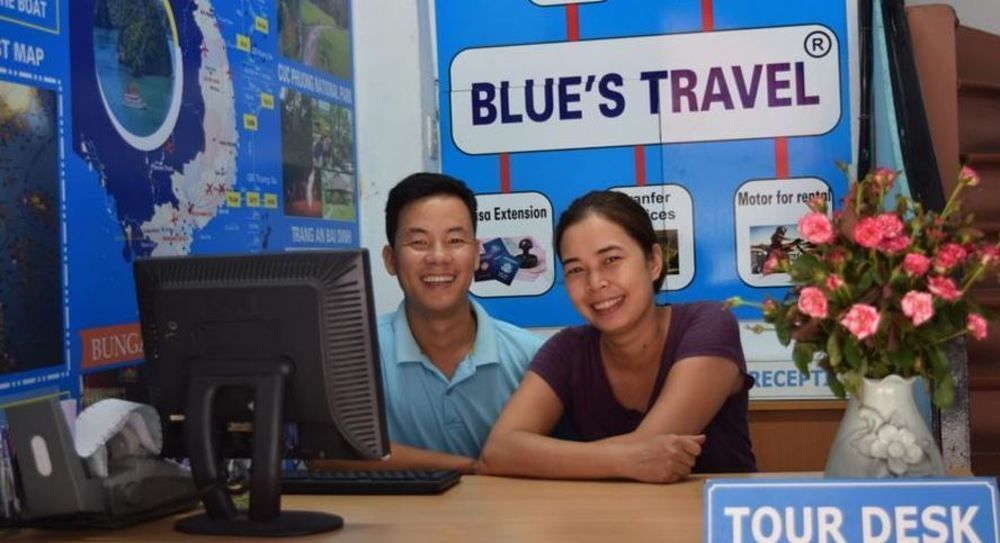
570, 362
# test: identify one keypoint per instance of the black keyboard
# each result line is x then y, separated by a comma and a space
368, 482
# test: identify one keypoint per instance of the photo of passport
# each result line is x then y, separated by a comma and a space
499, 265
495, 247
505, 268
485, 270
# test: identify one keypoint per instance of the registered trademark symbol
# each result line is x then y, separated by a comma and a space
818, 44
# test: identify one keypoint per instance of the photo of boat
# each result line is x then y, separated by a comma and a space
136, 60
131, 98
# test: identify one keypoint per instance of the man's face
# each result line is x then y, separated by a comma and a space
435, 255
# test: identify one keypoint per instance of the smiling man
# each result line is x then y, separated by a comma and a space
448, 367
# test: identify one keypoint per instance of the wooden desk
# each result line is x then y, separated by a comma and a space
481, 509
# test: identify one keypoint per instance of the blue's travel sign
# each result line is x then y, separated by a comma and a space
847, 510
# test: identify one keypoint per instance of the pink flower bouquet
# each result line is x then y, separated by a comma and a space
884, 288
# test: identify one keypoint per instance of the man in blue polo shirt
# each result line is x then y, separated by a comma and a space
448, 368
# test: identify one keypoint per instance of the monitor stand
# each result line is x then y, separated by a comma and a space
266, 378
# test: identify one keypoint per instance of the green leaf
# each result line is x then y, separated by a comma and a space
852, 353
807, 263
944, 391
803, 355
902, 359
798, 276
835, 385
901, 205
939, 363
852, 381
784, 333
833, 349
867, 279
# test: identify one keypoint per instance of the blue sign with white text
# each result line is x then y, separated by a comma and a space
37, 14
722, 118
846, 510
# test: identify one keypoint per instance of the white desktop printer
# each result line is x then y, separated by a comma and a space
107, 475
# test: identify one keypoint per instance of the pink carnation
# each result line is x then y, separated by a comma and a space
889, 224
884, 177
833, 282
989, 255
867, 233
943, 288
837, 256
919, 306
862, 320
916, 264
948, 256
894, 245
976, 325
812, 302
816, 228
969, 175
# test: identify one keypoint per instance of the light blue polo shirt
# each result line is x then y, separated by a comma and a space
426, 410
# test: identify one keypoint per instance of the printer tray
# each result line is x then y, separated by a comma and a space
80, 521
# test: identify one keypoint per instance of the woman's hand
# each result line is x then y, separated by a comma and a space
663, 458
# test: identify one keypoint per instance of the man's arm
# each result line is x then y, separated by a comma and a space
403, 457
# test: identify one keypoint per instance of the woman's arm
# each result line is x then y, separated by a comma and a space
519, 445
403, 457
693, 393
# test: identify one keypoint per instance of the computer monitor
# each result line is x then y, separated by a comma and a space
284, 345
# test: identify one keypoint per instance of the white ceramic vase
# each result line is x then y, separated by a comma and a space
883, 435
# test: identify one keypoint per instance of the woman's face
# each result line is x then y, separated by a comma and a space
608, 275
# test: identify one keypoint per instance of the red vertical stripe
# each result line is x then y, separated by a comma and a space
572, 22
707, 23
504, 172
781, 158
640, 164
572, 34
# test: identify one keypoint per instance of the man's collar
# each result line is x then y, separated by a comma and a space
484, 349
407, 349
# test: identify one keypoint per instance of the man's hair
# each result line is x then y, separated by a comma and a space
422, 185
620, 209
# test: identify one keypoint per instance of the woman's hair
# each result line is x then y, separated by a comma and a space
620, 209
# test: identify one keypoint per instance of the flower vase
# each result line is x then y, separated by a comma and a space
882, 435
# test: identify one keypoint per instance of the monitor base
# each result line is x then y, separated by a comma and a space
287, 524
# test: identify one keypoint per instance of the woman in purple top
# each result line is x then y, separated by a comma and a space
655, 392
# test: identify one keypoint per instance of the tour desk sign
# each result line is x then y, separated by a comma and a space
851, 510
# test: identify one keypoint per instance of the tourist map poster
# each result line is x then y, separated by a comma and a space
721, 117
151, 128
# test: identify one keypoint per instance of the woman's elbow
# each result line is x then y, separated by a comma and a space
488, 457
492, 458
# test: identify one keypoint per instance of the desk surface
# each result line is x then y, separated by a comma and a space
480, 509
